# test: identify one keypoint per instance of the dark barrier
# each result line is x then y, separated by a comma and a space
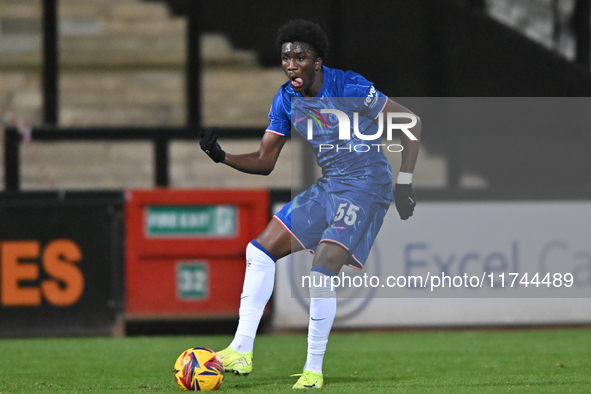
61, 263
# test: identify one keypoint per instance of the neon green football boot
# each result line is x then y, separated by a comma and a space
308, 380
238, 363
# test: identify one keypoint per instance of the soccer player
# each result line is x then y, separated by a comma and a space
339, 216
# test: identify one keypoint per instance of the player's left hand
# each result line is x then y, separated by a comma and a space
404, 199
209, 145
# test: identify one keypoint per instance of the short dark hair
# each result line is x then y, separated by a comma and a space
304, 31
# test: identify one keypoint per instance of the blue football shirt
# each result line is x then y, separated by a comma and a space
352, 161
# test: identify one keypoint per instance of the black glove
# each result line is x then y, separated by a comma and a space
209, 144
404, 199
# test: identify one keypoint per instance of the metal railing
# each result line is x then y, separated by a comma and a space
159, 136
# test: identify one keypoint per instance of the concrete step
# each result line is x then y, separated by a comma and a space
99, 34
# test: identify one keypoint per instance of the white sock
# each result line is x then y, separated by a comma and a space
259, 280
323, 308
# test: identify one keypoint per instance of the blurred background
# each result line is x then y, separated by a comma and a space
102, 102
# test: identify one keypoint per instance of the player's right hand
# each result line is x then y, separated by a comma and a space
209, 145
404, 199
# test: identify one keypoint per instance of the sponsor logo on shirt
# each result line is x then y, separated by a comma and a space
372, 98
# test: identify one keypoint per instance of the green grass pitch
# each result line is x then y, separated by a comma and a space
517, 361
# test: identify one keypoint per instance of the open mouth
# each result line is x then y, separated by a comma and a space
296, 82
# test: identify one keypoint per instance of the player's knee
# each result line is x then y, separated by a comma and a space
330, 263
275, 240
331, 256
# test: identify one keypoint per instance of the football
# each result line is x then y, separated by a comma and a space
198, 369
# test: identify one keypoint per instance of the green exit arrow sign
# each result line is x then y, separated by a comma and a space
191, 221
